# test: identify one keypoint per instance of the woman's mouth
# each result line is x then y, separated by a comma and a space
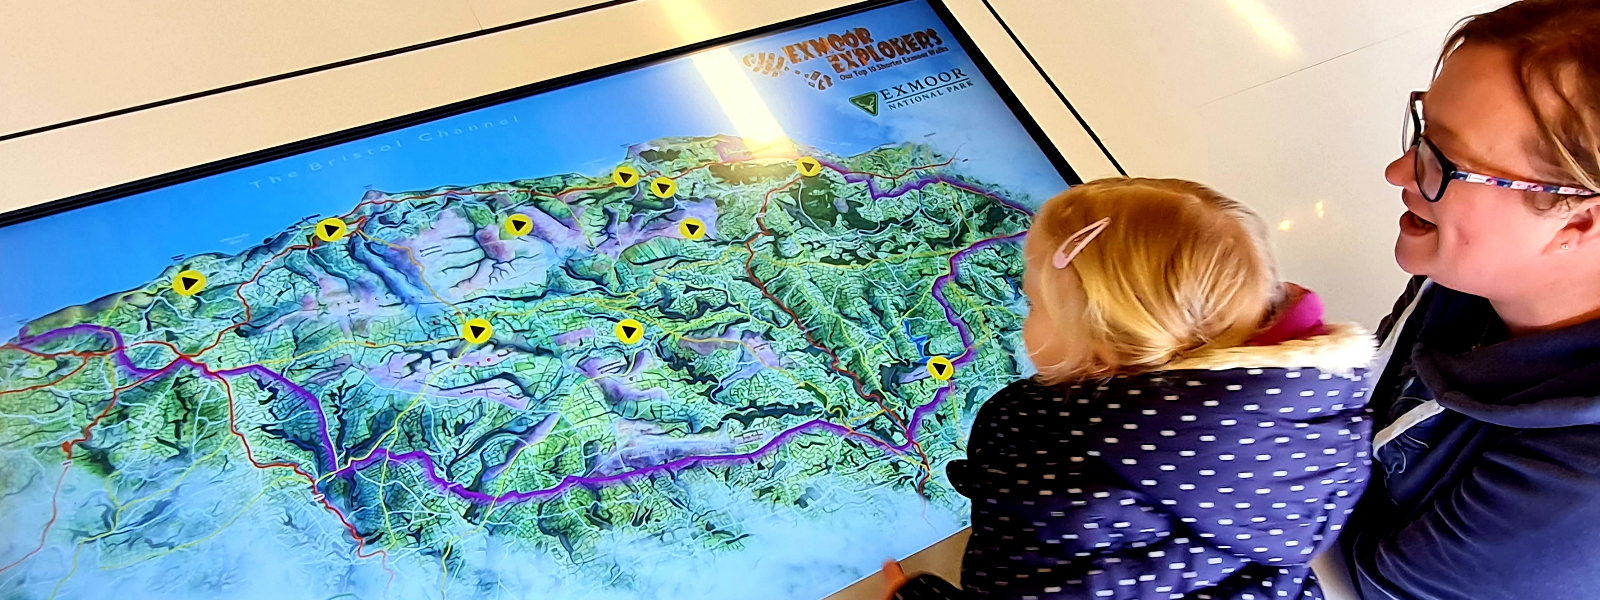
1411, 224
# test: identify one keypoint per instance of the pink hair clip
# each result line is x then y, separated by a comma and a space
1082, 237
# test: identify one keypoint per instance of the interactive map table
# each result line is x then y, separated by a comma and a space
709, 327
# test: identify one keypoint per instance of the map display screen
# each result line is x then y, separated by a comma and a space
707, 326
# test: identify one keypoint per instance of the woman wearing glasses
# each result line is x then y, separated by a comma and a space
1488, 407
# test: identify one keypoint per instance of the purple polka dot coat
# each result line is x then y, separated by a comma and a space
1217, 479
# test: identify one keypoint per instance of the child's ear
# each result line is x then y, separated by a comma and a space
1581, 230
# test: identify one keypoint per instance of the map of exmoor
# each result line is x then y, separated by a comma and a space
319, 400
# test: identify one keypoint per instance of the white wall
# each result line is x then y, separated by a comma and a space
149, 59
1284, 104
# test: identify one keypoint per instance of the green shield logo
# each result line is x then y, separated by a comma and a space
867, 102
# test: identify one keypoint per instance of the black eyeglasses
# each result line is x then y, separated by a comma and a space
1435, 171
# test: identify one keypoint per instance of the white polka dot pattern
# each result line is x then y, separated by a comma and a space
1194, 484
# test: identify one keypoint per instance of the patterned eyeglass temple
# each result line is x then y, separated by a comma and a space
1415, 140
1559, 190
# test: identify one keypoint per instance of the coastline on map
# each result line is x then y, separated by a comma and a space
73, 258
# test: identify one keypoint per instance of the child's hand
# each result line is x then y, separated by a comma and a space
893, 578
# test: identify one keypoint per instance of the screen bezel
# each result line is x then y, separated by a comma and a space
946, 17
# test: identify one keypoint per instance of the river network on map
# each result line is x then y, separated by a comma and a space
639, 353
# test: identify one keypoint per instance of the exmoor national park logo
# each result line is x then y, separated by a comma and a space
911, 92
867, 102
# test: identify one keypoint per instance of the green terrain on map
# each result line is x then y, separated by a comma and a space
326, 386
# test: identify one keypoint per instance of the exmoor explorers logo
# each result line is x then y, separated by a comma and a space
847, 55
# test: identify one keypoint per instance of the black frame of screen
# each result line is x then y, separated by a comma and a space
433, 114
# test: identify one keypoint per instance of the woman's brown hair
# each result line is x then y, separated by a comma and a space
1555, 48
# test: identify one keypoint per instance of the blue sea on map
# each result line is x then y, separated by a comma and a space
583, 128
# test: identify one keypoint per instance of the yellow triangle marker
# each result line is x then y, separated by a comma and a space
664, 187
189, 283
940, 368
692, 228
477, 331
625, 176
331, 229
810, 167
518, 225
629, 331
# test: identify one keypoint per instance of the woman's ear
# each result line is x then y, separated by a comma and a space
1582, 229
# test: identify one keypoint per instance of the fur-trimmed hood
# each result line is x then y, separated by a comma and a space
1343, 349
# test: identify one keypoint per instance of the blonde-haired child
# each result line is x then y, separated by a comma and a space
1194, 430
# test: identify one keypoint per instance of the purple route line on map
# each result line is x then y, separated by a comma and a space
120, 354
430, 471
916, 184
921, 412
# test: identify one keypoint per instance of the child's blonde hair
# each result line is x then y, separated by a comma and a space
1179, 269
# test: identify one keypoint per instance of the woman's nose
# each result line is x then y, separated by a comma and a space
1402, 172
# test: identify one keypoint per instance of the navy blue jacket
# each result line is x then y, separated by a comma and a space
1218, 479
1494, 492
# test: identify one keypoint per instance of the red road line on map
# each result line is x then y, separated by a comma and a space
44, 535
558, 195
87, 434
248, 451
66, 465
81, 365
836, 364
232, 417
238, 292
42, 354
232, 422
80, 353
357, 225
67, 447
311, 481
